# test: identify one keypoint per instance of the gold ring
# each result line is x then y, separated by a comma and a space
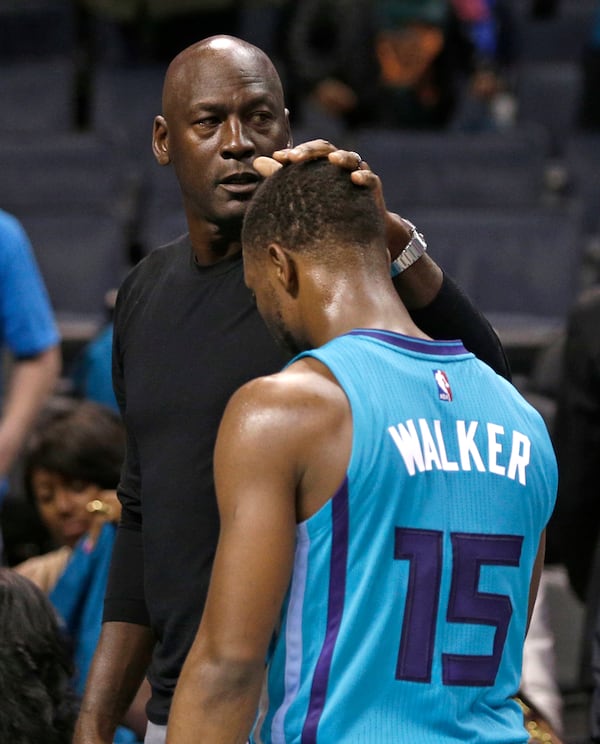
358, 158
97, 506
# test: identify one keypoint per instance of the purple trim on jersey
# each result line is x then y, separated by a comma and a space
446, 348
293, 635
335, 610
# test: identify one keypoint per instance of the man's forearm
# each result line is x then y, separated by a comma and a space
119, 666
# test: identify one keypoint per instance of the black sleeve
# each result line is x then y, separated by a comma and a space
124, 599
452, 315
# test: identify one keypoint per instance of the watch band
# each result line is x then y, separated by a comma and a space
413, 250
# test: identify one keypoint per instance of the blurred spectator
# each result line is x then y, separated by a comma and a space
91, 373
390, 62
92, 378
38, 703
487, 99
29, 333
72, 465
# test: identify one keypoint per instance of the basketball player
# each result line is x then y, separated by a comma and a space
383, 502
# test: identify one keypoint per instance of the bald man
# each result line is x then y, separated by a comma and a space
187, 335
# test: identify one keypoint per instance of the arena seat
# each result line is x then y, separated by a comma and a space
456, 169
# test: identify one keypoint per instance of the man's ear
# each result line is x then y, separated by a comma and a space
290, 141
160, 141
286, 269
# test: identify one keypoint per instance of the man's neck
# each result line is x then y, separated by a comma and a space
212, 245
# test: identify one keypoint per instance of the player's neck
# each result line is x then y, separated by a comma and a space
344, 306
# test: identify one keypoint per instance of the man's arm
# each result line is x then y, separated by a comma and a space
120, 663
217, 695
126, 640
32, 380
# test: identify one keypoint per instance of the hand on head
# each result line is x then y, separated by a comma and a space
360, 173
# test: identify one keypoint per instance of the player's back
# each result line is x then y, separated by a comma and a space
407, 610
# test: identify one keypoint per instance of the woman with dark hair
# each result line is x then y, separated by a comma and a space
72, 464
71, 470
38, 703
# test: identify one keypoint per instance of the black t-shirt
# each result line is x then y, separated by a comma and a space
185, 338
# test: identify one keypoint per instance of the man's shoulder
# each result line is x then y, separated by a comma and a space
153, 265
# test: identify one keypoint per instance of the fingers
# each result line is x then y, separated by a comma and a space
346, 159
306, 151
319, 149
265, 166
361, 174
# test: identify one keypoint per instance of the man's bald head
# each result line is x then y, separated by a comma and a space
202, 55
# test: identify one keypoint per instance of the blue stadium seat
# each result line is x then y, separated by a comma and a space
521, 267
455, 169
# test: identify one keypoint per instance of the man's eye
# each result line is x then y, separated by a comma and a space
207, 121
261, 117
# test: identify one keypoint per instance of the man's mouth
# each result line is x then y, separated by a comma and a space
241, 183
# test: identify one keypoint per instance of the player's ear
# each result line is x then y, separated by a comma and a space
160, 141
285, 267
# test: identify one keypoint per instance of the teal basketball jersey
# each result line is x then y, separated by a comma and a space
406, 614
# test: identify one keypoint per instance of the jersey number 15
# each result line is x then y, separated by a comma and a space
424, 551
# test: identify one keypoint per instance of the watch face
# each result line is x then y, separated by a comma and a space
419, 238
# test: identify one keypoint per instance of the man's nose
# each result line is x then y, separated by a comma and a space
236, 140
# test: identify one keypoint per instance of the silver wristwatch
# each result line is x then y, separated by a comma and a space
413, 250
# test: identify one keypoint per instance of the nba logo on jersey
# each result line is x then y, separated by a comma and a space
444, 389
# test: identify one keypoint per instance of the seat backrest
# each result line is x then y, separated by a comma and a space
81, 256
456, 169
38, 96
37, 29
558, 38
72, 171
582, 161
519, 263
123, 104
548, 95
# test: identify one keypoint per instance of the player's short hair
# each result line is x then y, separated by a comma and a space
313, 207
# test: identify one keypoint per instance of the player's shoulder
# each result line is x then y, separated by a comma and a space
303, 395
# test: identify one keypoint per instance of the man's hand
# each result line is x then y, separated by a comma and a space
398, 232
